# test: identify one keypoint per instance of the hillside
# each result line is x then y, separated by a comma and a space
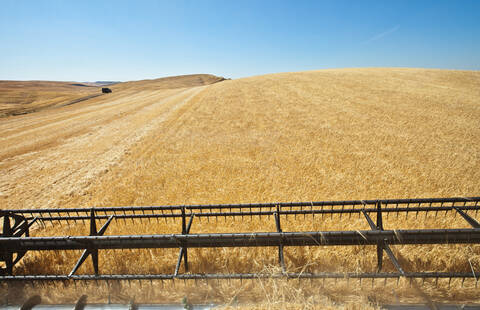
333, 134
23, 97
306, 136
171, 82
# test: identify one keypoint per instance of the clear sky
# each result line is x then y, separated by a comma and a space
131, 40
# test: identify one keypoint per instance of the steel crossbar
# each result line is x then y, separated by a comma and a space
320, 238
259, 209
15, 238
246, 276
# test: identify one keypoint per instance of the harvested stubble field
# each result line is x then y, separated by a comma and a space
308, 136
23, 97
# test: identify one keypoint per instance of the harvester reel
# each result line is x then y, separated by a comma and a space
14, 225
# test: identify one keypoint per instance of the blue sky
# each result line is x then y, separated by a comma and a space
131, 40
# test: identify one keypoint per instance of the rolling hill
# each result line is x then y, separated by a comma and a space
305, 136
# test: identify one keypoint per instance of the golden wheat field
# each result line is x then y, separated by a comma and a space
309, 136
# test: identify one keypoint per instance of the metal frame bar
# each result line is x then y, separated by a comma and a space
261, 239
21, 226
183, 249
11, 242
245, 209
240, 276
381, 245
281, 258
242, 214
92, 251
468, 218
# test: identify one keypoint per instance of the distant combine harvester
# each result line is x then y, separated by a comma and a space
106, 90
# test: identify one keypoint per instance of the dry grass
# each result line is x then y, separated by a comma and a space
181, 81
50, 156
330, 134
22, 97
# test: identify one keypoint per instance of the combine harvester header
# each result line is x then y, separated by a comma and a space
15, 240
